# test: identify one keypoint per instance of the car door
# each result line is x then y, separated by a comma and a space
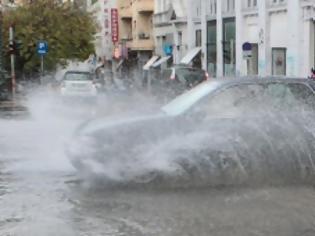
249, 133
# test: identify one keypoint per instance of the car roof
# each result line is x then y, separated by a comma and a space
262, 80
78, 72
183, 66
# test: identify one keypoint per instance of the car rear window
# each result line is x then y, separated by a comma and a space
191, 75
78, 76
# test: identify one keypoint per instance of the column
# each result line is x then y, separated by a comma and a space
190, 25
204, 8
308, 50
219, 39
294, 44
264, 50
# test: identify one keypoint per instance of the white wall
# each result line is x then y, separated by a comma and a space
103, 43
278, 30
251, 29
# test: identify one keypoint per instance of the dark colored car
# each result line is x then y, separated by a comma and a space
175, 80
222, 132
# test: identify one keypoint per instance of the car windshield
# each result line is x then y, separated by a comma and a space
243, 98
186, 100
79, 76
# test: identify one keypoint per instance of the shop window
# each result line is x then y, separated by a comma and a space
229, 46
212, 47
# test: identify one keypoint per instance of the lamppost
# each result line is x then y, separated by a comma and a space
2, 74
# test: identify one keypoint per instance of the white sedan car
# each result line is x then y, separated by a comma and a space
78, 84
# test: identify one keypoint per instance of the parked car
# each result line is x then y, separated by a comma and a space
79, 85
176, 80
222, 132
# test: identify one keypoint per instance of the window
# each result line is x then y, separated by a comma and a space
250, 99
198, 38
251, 3
213, 7
278, 61
229, 6
229, 46
212, 47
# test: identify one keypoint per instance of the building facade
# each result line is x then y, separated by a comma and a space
280, 34
177, 24
136, 30
103, 39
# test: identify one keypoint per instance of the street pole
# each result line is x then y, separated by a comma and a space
42, 66
13, 78
2, 77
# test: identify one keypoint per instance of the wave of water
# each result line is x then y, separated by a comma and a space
278, 150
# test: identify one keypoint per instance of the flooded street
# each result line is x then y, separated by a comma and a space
40, 194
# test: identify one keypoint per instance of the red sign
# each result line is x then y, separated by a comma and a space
114, 24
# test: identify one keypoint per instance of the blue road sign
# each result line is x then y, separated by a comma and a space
247, 46
168, 49
42, 47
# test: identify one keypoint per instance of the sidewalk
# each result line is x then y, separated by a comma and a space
10, 109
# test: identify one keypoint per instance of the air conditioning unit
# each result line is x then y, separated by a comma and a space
143, 35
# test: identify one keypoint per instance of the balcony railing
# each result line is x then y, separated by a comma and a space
277, 4
160, 18
143, 36
141, 45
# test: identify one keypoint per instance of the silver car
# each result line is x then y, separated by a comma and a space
238, 132
78, 84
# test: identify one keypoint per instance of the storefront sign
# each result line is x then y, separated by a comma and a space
114, 24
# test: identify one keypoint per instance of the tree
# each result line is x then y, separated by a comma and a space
68, 30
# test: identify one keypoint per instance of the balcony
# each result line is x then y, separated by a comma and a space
143, 36
141, 42
161, 18
141, 45
277, 5
145, 6
250, 7
125, 12
126, 37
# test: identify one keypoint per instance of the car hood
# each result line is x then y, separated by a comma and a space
94, 125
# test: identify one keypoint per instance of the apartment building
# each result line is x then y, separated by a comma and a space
280, 34
177, 25
102, 14
136, 30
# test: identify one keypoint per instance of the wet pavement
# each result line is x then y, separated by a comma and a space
40, 194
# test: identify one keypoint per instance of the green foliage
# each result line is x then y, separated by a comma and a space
68, 30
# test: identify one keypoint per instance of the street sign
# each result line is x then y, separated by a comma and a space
42, 47
168, 49
247, 50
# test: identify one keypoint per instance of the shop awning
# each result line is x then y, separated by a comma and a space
150, 62
161, 61
190, 55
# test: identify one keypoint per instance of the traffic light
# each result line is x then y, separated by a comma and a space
18, 44
12, 47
